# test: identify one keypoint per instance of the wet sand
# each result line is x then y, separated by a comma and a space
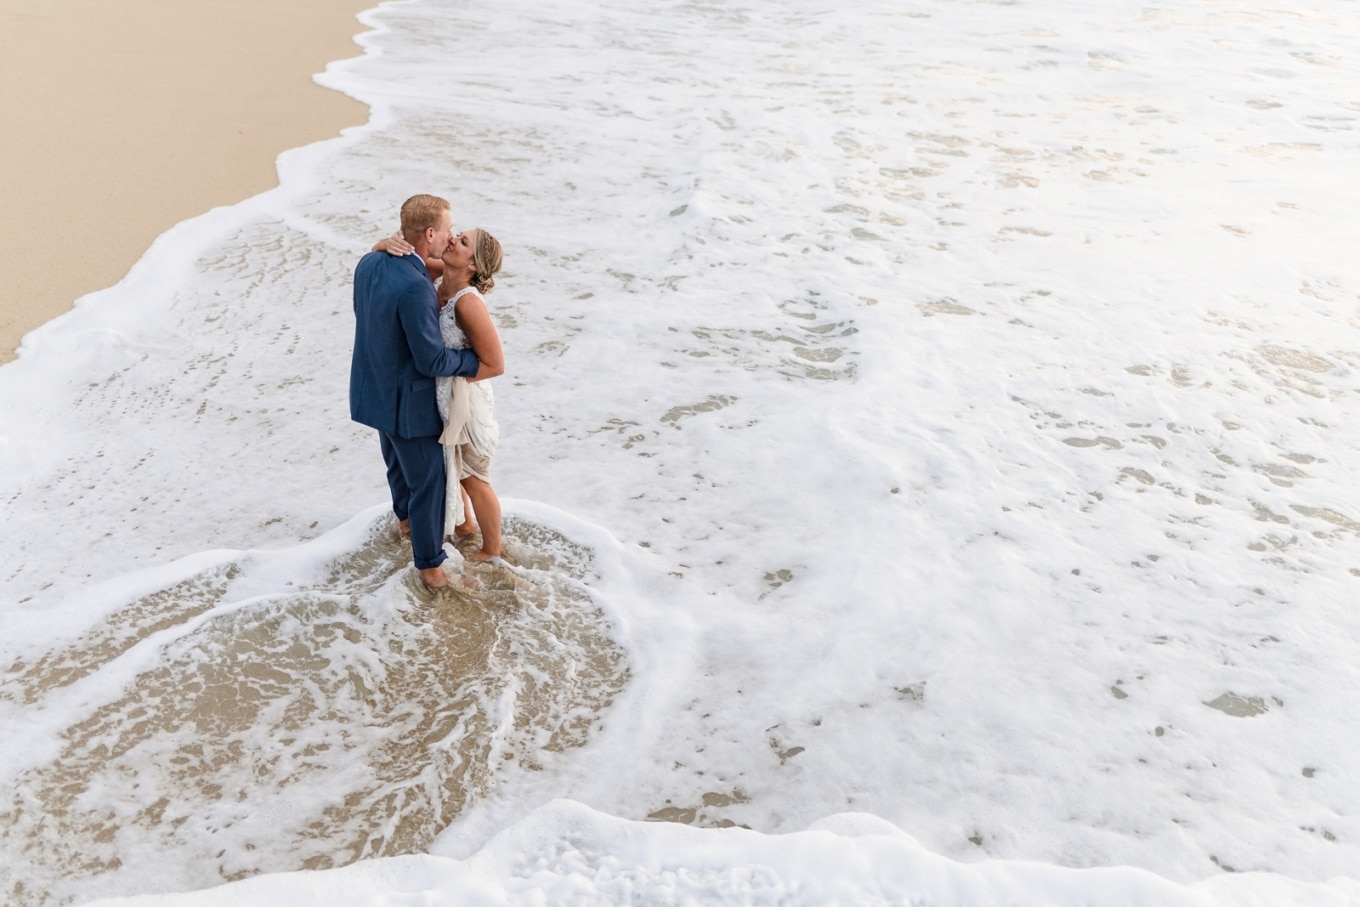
121, 120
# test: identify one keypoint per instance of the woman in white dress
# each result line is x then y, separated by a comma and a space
464, 272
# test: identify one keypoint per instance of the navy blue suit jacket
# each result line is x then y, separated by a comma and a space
398, 350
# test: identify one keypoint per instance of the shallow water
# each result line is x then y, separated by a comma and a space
269, 726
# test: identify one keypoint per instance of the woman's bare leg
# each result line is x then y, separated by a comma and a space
469, 525
488, 508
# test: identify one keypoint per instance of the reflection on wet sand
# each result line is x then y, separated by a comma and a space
305, 728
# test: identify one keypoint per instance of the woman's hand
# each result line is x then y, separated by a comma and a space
394, 245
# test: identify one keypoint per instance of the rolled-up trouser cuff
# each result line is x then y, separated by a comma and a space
415, 471
426, 565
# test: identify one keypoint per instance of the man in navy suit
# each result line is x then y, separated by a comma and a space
398, 352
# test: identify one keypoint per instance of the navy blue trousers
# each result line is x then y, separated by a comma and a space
415, 474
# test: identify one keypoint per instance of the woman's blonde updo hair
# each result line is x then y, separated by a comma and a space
486, 258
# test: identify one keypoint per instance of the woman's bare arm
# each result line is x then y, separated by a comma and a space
475, 320
395, 244
398, 246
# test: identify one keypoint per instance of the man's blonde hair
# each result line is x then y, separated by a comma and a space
419, 213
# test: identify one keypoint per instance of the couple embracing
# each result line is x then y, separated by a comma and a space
422, 354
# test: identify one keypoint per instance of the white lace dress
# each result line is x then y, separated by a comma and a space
471, 436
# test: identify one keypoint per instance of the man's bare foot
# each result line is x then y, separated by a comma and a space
463, 530
482, 556
435, 577
403, 528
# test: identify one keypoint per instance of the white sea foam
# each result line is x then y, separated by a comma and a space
937, 412
564, 853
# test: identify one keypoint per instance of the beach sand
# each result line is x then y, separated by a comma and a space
121, 120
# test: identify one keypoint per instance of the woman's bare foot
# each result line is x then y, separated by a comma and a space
481, 556
463, 530
403, 528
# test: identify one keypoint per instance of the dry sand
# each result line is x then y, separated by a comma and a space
119, 120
